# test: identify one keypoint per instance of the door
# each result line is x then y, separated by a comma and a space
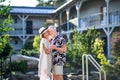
29, 27
105, 45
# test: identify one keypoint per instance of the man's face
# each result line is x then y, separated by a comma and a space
51, 31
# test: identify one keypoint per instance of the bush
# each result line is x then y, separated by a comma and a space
36, 43
19, 66
28, 45
29, 52
85, 43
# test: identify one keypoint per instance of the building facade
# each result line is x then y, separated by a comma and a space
27, 21
104, 15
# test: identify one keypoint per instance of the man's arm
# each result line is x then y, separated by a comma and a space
62, 49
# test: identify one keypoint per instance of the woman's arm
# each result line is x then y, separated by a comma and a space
47, 50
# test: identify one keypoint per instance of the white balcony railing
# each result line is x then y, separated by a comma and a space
18, 30
98, 20
95, 20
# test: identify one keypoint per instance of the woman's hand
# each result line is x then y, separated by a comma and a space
53, 47
62, 49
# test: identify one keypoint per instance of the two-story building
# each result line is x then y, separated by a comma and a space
104, 15
27, 21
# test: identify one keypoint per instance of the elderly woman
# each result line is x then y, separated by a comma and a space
45, 60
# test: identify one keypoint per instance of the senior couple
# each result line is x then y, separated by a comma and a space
52, 54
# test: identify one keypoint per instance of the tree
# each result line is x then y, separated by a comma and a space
4, 26
114, 68
85, 43
5, 48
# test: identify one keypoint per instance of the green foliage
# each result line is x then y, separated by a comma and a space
19, 66
3, 41
85, 43
115, 43
29, 52
2, 1
36, 43
114, 68
31, 47
5, 22
99, 52
7, 51
28, 45
47, 24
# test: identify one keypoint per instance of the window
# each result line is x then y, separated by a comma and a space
29, 27
16, 42
15, 20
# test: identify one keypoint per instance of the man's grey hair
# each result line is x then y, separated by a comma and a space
52, 26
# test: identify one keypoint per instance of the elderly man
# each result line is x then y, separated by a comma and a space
58, 47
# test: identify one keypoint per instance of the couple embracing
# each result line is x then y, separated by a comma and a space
52, 54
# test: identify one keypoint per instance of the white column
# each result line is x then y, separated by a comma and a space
23, 19
78, 6
67, 13
68, 36
53, 19
108, 32
60, 22
107, 3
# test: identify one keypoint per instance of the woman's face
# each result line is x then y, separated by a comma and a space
46, 35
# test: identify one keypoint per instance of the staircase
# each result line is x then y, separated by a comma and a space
85, 72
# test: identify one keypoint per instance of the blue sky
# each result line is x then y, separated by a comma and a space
21, 2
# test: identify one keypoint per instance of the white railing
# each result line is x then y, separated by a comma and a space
95, 64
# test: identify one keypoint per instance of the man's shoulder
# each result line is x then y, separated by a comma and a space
59, 36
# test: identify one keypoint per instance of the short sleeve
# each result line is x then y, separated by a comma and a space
62, 40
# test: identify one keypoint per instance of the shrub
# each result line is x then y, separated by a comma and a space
19, 66
29, 52
28, 45
85, 43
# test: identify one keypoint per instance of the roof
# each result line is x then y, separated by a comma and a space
32, 10
62, 6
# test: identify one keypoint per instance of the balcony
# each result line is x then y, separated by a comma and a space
99, 20
18, 31
96, 20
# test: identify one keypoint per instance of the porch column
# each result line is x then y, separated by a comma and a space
53, 19
68, 36
108, 32
23, 19
60, 22
78, 6
107, 5
67, 13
